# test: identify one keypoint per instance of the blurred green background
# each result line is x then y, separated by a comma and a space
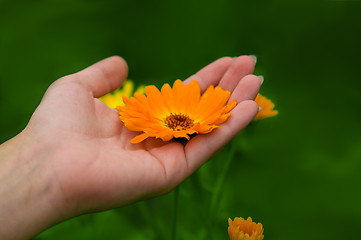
299, 173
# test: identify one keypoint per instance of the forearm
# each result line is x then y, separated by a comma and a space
27, 198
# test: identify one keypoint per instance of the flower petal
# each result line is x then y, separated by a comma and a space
139, 138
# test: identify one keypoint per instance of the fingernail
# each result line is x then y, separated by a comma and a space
254, 57
261, 77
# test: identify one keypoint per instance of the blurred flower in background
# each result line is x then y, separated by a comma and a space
241, 229
115, 98
266, 107
175, 112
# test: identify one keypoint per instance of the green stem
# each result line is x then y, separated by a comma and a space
214, 205
144, 210
175, 208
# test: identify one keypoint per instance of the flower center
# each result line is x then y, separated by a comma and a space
178, 122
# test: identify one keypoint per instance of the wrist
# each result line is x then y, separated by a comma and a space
28, 197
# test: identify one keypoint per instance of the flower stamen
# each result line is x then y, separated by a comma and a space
178, 122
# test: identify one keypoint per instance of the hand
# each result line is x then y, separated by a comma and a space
80, 150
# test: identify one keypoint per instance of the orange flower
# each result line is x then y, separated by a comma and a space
266, 107
175, 113
241, 229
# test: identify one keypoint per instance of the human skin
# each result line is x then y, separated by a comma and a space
74, 156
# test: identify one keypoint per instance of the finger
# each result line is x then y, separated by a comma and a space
212, 73
202, 147
104, 76
246, 89
239, 68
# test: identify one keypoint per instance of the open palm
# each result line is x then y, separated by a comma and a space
95, 167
